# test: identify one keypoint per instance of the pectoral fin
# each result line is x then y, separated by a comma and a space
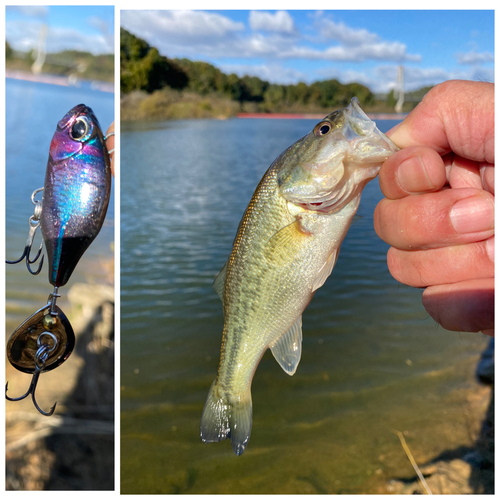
285, 244
326, 270
288, 348
219, 281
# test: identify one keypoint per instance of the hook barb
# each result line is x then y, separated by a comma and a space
26, 254
34, 223
31, 390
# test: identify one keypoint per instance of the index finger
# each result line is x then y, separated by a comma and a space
456, 116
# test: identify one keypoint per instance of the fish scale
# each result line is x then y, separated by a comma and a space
285, 248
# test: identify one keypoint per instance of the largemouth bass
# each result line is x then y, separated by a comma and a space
286, 247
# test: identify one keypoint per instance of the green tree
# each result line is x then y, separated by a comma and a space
274, 97
143, 68
391, 99
253, 88
8, 51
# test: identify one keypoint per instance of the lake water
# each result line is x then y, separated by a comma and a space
372, 361
32, 112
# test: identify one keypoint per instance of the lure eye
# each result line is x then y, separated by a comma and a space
81, 129
322, 129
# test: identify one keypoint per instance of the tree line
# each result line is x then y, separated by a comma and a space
142, 68
83, 64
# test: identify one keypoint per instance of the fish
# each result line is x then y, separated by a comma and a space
71, 213
286, 246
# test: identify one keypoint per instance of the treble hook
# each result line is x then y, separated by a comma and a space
34, 223
40, 358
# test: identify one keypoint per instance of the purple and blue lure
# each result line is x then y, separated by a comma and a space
71, 213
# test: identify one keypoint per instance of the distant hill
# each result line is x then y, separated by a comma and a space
82, 64
154, 87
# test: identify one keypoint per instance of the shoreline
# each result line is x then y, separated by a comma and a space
63, 81
168, 104
318, 116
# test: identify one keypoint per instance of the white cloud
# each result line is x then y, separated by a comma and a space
346, 76
98, 23
273, 73
192, 34
179, 27
483, 74
29, 10
281, 21
206, 34
213, 36
24, 36
346, 35
474, 57
383, 51
382, 78
106, 30
359, 44
418, 77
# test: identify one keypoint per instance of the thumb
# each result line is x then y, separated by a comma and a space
457, 116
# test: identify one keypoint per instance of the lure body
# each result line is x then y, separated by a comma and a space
76, 191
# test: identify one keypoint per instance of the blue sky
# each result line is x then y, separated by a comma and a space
362, 46
87, 28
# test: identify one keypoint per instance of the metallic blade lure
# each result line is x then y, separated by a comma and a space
71, 213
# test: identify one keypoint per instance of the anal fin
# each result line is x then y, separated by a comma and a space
288, 348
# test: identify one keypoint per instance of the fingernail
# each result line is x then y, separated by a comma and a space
472, 215
413, 177
392, 130
490, 248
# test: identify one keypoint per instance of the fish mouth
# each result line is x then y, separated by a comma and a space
315, 207
334, 200
332, 203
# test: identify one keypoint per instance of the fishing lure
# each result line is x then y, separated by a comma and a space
71, 213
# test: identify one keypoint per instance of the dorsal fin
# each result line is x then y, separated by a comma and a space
220, 280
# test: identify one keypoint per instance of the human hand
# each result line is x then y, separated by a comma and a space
110, 145
438, 214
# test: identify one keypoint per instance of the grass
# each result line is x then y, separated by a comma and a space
169, 104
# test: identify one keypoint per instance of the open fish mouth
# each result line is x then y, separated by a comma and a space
334, 200
326, 168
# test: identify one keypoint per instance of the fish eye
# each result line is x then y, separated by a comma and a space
322, 129
81, 129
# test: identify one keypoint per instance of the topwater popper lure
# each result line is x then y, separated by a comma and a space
71, 213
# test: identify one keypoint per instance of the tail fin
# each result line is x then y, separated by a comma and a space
227, 417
